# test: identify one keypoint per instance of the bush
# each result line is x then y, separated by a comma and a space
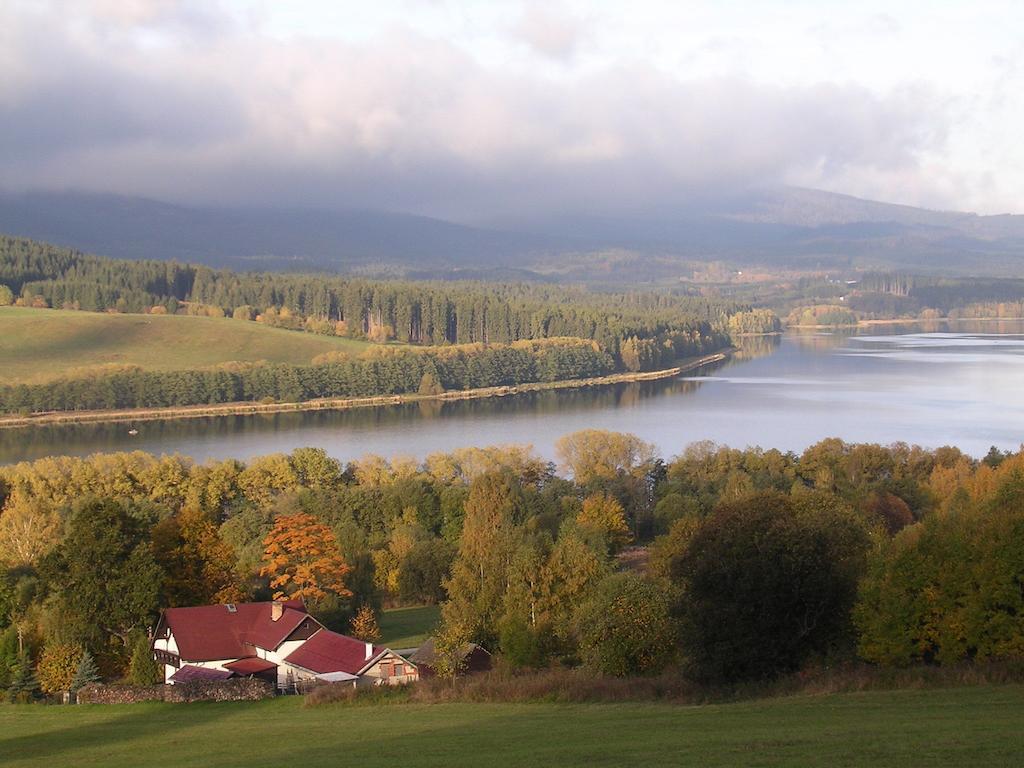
768, 583
625, 627
522, 646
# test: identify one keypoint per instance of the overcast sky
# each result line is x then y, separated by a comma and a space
469, 110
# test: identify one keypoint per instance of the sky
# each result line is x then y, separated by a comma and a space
477, 110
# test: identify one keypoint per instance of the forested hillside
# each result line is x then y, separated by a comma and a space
415, 312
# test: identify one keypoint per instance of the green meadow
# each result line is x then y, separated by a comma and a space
978, 726
407, 627
37, 345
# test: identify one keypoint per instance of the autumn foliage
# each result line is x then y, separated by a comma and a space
302, 559
364, 625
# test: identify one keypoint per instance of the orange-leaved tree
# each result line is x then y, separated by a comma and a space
302, 559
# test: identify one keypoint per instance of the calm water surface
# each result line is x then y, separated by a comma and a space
931, 385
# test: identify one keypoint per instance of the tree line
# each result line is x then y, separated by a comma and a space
892, 554
377, 372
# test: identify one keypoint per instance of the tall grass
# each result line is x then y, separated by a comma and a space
578, 686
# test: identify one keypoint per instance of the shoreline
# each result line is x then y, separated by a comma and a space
906, 321
330, 404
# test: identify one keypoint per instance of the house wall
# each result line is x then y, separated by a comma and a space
375, 675
167, 644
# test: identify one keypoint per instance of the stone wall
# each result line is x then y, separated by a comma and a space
95, 693
235, 689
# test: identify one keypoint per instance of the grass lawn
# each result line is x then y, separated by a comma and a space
408, 627
952, 727
41, 344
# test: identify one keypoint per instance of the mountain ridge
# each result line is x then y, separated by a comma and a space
792, 228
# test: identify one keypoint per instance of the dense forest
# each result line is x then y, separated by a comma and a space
894, 555
425, 312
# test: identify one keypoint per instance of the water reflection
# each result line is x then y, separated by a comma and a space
875, 384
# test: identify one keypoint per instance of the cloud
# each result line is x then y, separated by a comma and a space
410, 123
550, 30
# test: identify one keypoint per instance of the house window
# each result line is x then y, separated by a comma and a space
386, 669
399, 670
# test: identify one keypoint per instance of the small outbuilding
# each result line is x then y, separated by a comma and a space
475, 658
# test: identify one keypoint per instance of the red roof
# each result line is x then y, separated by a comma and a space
250, 666
213, 632
188, 672
328, 651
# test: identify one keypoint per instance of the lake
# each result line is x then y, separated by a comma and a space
936, 384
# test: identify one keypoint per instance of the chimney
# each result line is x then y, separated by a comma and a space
276, 610
369, 651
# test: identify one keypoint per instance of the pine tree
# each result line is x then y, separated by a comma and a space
24, 684
87, 672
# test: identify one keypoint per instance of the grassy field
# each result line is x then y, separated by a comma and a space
950, 727
39, 344
408, 627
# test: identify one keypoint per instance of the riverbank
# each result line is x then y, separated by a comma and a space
248, 408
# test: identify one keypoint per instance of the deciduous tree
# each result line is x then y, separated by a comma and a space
57, 666
766, 585
364, 625
626, 627
104, 573
302, 559
604, 515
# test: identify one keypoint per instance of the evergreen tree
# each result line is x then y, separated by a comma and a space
143, 669
24, 685
86, 672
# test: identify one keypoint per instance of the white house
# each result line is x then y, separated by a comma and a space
275, 641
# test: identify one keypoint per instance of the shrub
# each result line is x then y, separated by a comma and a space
625, 627
522, 646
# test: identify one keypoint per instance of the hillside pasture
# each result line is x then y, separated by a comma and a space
38, 345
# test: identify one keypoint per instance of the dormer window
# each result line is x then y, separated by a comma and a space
231, 608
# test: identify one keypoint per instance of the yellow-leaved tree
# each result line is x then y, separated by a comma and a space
604, 514
364, 625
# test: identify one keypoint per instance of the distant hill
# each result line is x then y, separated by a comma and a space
258, 239
781, 228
